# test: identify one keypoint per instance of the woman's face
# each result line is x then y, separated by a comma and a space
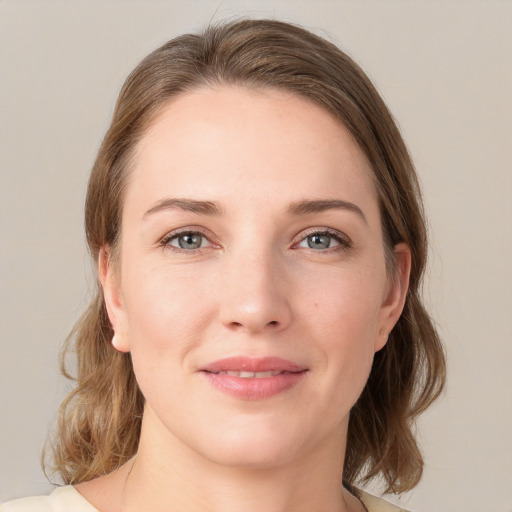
252, 289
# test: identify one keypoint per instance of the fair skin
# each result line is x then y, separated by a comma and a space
250, 229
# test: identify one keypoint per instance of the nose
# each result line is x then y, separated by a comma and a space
254, 295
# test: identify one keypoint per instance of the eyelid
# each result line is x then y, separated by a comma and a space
194, 230
344, 240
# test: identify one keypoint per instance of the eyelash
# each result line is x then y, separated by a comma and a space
165, 242
343, 240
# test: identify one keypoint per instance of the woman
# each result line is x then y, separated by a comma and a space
258, 336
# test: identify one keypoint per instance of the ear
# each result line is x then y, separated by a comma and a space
110, 282
394, 299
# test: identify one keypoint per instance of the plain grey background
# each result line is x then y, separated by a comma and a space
444, 67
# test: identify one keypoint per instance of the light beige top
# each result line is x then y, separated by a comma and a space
68, 499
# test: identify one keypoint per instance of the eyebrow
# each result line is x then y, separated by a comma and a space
188, 205
306, 206
212, 208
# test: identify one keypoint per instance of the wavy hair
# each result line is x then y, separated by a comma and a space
99, 422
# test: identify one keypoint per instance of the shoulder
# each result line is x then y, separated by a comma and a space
374, 504
63, 499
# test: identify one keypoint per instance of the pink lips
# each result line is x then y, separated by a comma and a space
271, 376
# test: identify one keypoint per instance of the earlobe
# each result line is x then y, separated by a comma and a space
381, 340
397, 293
119, 344
112, 297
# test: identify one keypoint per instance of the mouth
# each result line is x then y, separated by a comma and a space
250, 375
250, 367
253, 378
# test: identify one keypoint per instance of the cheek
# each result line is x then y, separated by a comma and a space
165, 323
167, 311
346, 301
343, 318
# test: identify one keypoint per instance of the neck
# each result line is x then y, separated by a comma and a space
167, 476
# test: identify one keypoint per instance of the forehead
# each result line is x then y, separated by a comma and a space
256, 145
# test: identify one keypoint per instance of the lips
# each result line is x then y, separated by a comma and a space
254, 365
253, 378
250, 375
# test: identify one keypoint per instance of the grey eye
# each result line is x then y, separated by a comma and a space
188, 241
319, 241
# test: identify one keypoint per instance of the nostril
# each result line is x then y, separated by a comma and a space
272, 323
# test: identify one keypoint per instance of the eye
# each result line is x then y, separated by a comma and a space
323, 240
186, 240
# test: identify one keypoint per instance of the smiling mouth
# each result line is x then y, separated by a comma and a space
249, 367
253, 378
249, 375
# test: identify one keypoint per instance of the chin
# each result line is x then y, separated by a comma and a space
257, 443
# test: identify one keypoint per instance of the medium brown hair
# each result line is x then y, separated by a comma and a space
100, 421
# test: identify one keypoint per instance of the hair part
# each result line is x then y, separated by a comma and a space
100, 421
